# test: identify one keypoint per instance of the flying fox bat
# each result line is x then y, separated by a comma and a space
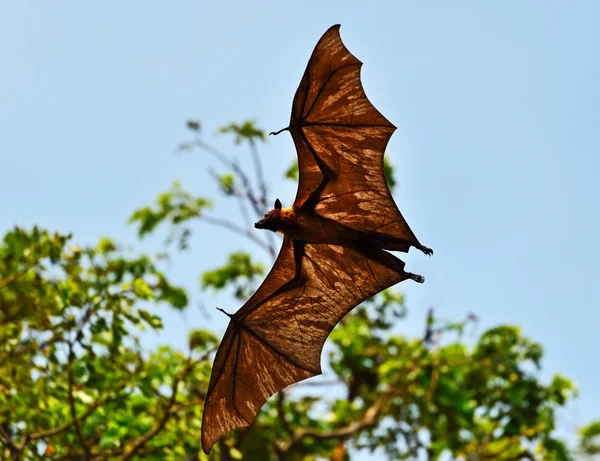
333, 253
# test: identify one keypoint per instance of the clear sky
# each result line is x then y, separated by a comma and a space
496, 150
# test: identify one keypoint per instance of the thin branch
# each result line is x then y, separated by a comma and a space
35, 347
57, 338
238, 230
435, 368
250, 195
17, 275
258, 202
159, 426
5, 438
82, 416
369, 420
281, 410
244, 212
260, 177
238, 195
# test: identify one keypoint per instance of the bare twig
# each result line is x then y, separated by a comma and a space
239, 196
249, 191
238, 230
435, 368
259, 173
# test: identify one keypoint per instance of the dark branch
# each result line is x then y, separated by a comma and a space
369, 420
85, 414
281, 410
168, 412
74, 419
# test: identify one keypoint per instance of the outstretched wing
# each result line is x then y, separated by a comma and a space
340, 138
277, 337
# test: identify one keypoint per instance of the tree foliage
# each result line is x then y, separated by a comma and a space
76, 384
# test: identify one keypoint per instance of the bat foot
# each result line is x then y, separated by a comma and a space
416, 277
424, 249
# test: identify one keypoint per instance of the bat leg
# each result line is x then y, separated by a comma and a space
390, 261
298, 255
292, 283
315, 196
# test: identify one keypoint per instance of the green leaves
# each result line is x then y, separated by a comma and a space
202, 340
69, 345
388, 169
590, 439
71, 320
292, 171
246, 131
239, 271
194, 125
227, 184
175, 206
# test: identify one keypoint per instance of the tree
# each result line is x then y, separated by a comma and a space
75, 383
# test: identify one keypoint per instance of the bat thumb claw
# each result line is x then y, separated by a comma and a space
275, 133
226, 313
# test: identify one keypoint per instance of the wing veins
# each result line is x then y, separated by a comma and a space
329, 77
222, 369
334, 269
325, 276
276, 349
347, 125
237, 353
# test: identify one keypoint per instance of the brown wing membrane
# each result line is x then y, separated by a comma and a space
340, 136
277, 337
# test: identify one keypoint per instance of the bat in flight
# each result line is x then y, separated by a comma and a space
333, 253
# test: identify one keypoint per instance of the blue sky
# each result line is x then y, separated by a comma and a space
496, 150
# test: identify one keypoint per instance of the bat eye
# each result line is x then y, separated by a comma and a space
266, 215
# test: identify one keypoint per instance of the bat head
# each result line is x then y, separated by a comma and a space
272, 219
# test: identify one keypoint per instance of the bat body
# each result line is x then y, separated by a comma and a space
303, 225
333, 253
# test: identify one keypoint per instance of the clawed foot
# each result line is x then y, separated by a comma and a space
424, 249
417, 278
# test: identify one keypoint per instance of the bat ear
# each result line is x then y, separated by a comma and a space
277, 204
